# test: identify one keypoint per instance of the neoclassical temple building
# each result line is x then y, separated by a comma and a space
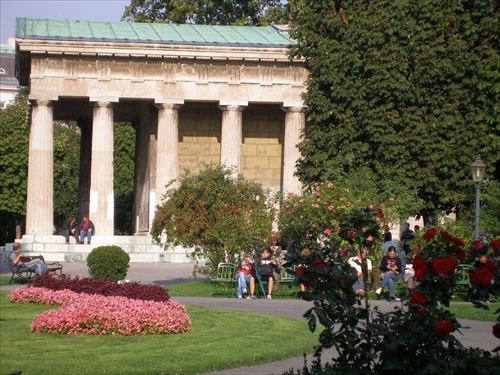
193, 93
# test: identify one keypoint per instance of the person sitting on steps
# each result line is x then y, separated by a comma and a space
70, 230
87, 229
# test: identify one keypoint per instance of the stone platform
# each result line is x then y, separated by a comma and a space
140, 249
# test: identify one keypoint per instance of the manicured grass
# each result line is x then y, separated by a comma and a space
17, 281
213, 344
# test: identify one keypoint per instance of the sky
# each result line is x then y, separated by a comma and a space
93, 10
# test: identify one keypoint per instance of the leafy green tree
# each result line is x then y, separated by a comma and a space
14, 140
123, 166
208, 12
66, 171
408, 89
219, 215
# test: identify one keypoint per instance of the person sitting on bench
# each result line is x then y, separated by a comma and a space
265, 269
36, 264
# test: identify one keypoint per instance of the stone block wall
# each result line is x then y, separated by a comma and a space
262, 148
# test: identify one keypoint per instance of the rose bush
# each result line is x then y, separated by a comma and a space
418, 336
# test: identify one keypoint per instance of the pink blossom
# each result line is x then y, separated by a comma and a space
291, 194
330, 208
295, 204
341, 199
370, 238
370, 206
391, 199
327, 231
85, 314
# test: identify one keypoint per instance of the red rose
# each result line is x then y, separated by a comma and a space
460, 254
379, 213
444, 266
495, 245
352, 235
477, 246
444, 234
491, 266
496, 330
481, 277
288, 213
420, 267
429, 234
418, 299
457, 241
299, 272
443, 328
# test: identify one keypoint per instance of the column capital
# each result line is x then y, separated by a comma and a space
173, 106
232, 107
294, 108
41, 102
103, 104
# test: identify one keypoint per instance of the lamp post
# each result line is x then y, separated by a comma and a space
478, 169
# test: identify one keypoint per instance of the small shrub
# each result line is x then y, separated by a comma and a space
108, 263
133, 290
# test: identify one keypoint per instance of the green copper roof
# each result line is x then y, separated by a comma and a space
165, 33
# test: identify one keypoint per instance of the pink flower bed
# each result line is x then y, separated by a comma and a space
92, 314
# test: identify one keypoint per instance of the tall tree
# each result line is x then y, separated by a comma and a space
208, 12
408, 88
219, 215
123, 167
66, 171
14, 139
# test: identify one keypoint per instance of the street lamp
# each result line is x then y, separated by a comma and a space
478, 169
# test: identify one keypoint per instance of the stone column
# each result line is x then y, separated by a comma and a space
295, 120
84, 176
142, 171
102, 210
40, 203
167, 147
231, 135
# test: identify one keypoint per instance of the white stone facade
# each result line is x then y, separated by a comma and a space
238, 105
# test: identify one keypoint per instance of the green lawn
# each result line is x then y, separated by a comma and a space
218, 340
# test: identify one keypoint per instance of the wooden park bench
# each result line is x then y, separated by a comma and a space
21, 270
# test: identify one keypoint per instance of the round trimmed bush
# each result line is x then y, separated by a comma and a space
108, 263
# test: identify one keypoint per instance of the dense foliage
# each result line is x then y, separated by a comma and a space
221, 216
123, 178
205, 12
319, 211
92, 285
14, 140
108, 263
409, 89
66, 171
